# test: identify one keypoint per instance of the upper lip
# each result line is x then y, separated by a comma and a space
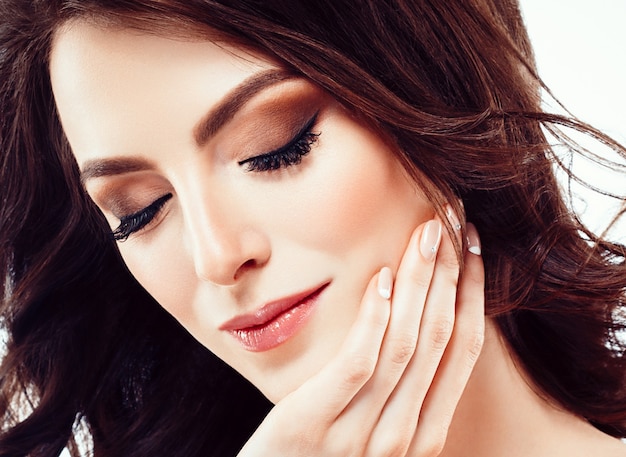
269, 311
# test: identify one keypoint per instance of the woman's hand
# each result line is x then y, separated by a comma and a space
393, 387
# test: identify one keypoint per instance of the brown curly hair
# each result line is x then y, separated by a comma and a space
451, 84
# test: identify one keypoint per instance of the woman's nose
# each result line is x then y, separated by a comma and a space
224, 245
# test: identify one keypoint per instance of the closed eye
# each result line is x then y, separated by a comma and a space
288, 155
137, 221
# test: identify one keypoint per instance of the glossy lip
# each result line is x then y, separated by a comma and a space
275, 322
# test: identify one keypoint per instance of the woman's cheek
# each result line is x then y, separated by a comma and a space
355, 196
163, 269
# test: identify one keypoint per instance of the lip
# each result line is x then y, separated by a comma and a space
275, 322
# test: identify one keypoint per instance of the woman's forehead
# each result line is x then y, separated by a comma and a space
116, 80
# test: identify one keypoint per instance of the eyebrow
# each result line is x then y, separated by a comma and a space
109, 167
208, 126
235, 100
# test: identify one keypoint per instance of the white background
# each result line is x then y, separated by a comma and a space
580, 47
580, 50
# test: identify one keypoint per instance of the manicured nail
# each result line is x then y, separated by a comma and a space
453, 218
385, 283
431, 237
473, 240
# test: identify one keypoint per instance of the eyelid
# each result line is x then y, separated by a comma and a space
124, 195
282, 149
139, 220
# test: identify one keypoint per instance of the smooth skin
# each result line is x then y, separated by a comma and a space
229, 239
393, 388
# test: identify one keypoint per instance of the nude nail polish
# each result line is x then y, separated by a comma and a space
453, 218
473, 240
385, 283
431, 238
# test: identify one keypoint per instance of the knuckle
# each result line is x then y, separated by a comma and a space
419, 279
472, 339
449, 262
402, 349
378, 320
358, 370
451, 280
441, 332
474, 345
475, 280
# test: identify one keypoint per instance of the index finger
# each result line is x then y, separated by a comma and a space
328, 393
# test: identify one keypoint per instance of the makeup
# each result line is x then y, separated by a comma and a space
473, 240
275, 322
286, 155
140, 219
431, 238
286, 190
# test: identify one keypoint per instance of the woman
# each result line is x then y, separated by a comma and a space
290, 182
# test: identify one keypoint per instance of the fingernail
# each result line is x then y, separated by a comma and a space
473, 240
453, 218
385, 283
431, 237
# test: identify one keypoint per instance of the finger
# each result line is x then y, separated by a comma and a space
410, 291
334, 387
459, 359
397, 424
324, 396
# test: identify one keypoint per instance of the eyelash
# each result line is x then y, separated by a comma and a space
283, 157
137, 221
287, 155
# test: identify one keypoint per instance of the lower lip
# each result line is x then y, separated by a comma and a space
275, 332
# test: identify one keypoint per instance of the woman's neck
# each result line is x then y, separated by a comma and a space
500, 415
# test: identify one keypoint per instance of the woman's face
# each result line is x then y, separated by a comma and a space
252, 205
